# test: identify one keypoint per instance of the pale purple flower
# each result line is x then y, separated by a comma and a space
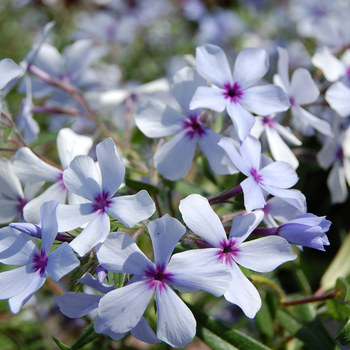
121, 310
30, 168
301, 90
275, 178
261, 255
155, 119
98, 183
18, 285
338, 95
233, 91
75, 305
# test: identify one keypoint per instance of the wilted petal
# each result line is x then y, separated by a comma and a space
121, 309
174, 159
130, 210
119, 253
176, 324
251, 65
202, 220
212, 64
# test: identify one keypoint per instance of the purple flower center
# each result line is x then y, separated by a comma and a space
158, 277
348, 72
101, 202
193, 126
256, 176
267, 120
233, 92
21, 203
66, 78
340, 155
229, 251
60, 180
40, 262
292, 100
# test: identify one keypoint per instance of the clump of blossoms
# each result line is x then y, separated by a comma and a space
130, 219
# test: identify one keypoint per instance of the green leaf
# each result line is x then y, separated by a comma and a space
88, 336
344, 333
301, 331
264, 323
239, 340
6, 134
187, 188
138, 186
60, 345
118, 279
212, 340
43, 139
343, 285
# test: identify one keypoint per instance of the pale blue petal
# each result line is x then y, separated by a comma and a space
229, 146
9, 70
121, 309
130, 210
99, 327
216, 155
303, 88
61, 261
119, 253
72, 216
18, 300
214, 279
95, 232
251, 152
10, 186
83, 178
208, 97
242, 293
243, 225
212, 64
75, 305
112, 168
31, 211
9, 211
265, 99
174, 159
338, 96
30, 167
242, 120
165, 233
250, 66
142, 331
92, 282
29, 229
156, 119
253, 254
253, 195
176, 324
279, 174
49, 225
202, 220
282, 68
184, 84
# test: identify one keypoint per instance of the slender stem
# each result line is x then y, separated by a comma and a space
311, 299
224, 196
15, 131
264, 280
157, 205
